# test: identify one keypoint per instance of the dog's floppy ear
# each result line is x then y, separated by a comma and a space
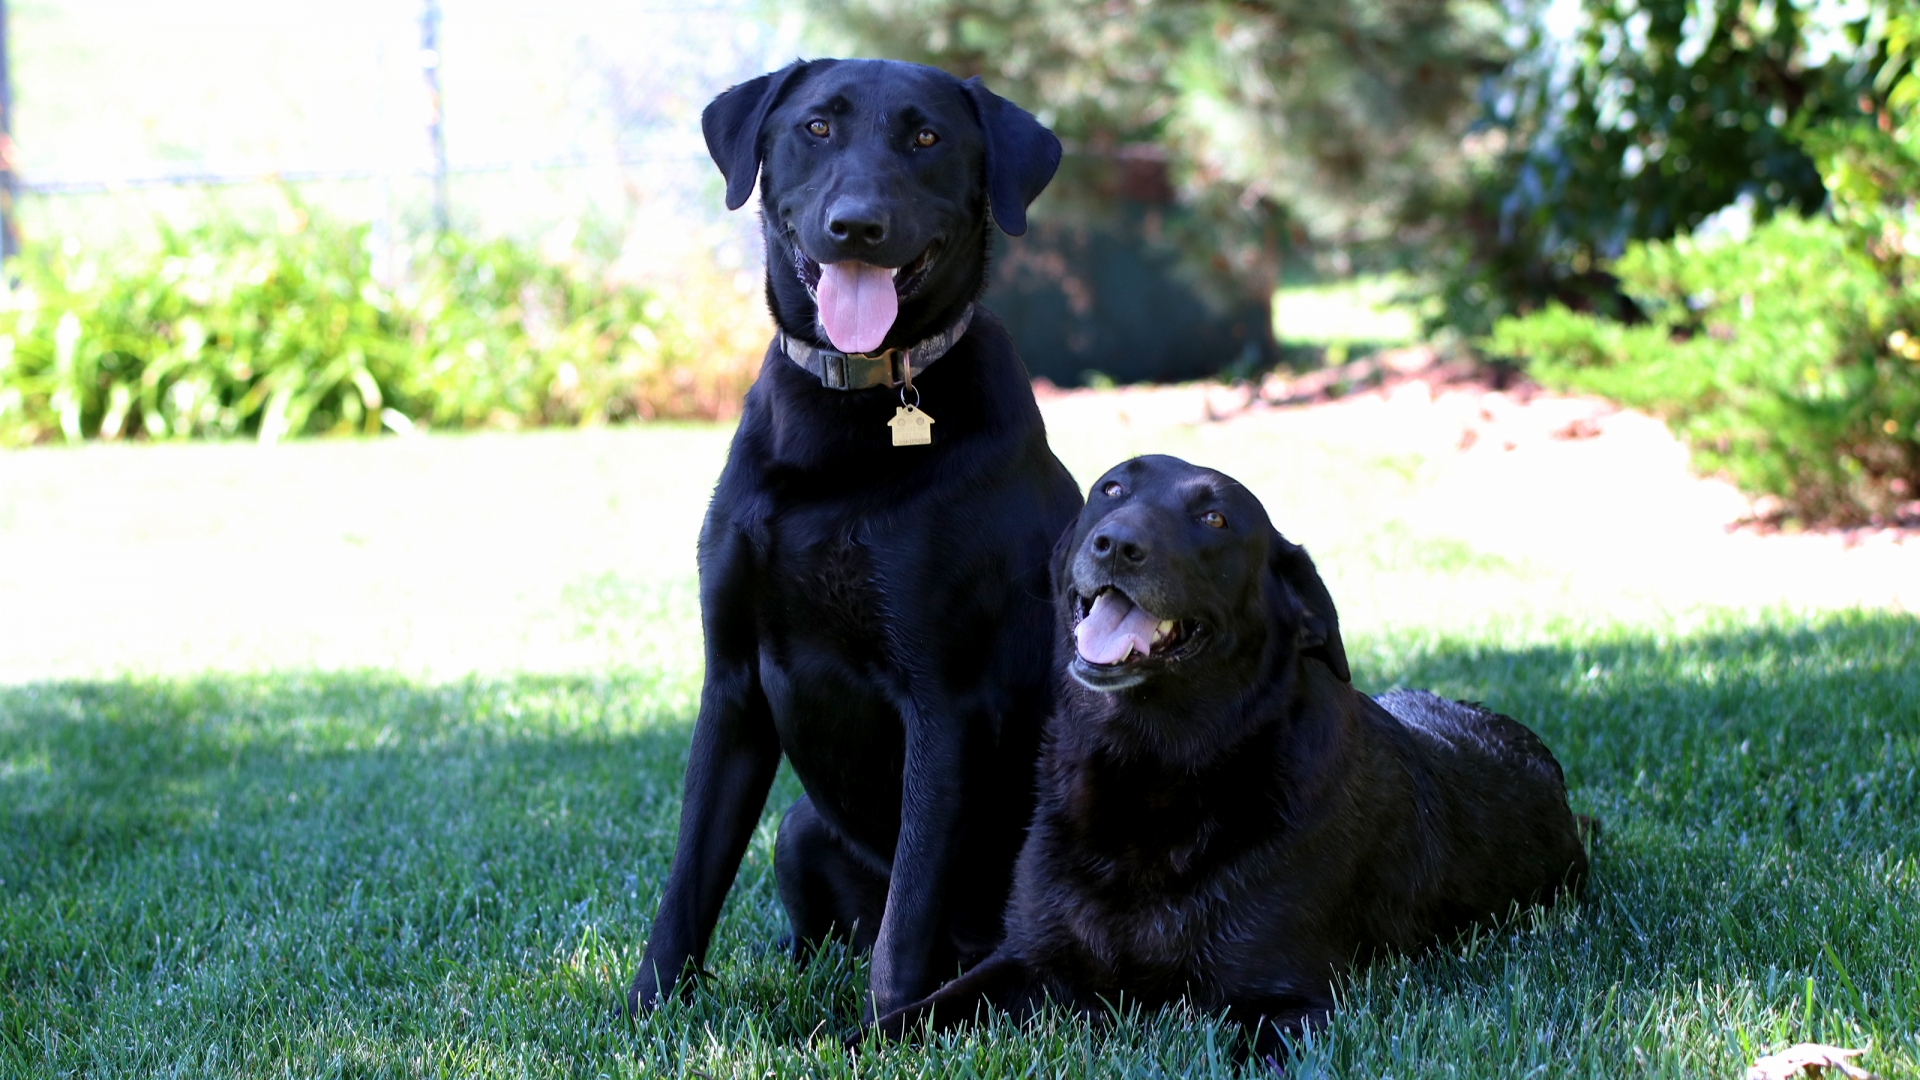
1320, 623
732, 123
1021, 155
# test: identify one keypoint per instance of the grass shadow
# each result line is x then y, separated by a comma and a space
358, 874
188, 865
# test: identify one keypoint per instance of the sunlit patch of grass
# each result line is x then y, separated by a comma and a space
1395, 546
359, 874
1365, 310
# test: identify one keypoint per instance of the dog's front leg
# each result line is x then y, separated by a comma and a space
729, 770
933, 790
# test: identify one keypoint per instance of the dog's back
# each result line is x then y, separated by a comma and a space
1501, 812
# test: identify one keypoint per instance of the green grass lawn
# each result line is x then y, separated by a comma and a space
267, 856
1363, 310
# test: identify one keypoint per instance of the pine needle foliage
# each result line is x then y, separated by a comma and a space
1331, 121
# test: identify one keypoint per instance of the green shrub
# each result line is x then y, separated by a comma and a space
233, 328
1786, 361
502, 337
1871, 169
1633, 120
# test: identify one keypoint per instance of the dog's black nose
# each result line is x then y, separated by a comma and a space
1114, 542
857, 222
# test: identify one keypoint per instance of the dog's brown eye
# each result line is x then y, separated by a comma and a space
1113, 489
819, 127
925, 138
1214, 519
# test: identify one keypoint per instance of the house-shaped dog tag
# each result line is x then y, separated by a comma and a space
911, 427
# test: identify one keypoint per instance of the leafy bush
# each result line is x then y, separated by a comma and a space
1637, 120
1872, 169
1787, 361
228, 328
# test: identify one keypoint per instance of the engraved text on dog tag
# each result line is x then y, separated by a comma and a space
911, 427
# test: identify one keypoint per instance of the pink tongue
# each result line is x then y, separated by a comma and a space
857, 304
1115, 627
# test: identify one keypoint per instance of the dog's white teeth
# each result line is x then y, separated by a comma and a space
895, 273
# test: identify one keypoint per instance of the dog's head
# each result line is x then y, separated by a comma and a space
1175, 584
876, 179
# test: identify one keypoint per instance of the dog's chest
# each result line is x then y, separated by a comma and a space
1149, 870
824, 587
1145, 882
1155, 943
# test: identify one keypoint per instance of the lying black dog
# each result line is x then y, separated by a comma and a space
1222, 817
873, 568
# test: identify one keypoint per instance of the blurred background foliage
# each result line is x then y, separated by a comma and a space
1541, 161
1506, 150
1784, 360
271, 327
1639, 120
1787, 353
1332, 123
1704, 208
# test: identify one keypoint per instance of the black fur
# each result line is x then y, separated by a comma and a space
877, 613
1228, 820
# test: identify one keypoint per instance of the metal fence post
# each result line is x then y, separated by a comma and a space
436, 128
9, 179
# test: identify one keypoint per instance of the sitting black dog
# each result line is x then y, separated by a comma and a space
873, 567
1221, 816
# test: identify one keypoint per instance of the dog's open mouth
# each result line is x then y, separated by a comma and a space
858, 302
1111, 632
